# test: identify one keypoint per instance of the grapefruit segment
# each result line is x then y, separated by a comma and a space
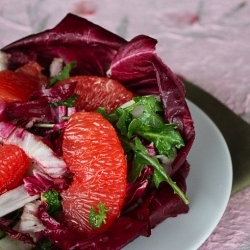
94, 92
13, 164
95, 156
20, 84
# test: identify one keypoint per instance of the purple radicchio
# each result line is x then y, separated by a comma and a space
40, 182
33, 146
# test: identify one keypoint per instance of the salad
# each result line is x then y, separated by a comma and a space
94, 134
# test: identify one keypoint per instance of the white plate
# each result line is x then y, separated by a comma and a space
209, 185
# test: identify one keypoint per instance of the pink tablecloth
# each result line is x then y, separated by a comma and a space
205, 41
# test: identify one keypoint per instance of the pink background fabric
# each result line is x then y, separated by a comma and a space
206, 41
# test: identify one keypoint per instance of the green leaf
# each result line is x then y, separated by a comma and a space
111, 117
64, 74
124, 119
144, 119
143, 158
44, 244
165, 138
150, 115
2, 234
70, 102
149, 106
138, 162
98, 216
53, 199
149, 103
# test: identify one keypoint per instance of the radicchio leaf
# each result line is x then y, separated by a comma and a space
24, 237
172, 94
138, 189
73, 39
56, 93
59, 235
41, 182
133, 59
31, 109
14, 199
53, 165
29, 223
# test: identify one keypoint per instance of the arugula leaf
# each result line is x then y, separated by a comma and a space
128, 124
98, 216
111, 117
124, 120
65, 73
147, 124
142, 158
149, 103
138, 162
150, 116
53, 199
165, 138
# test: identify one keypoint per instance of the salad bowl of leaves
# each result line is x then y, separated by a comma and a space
102, 130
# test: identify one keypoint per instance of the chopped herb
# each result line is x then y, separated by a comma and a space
53, 199
98, 216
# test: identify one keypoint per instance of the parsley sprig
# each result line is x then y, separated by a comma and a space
97, 216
